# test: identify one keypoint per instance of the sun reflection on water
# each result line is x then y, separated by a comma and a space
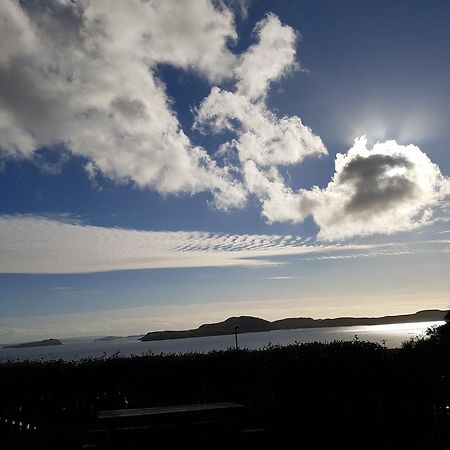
412, 327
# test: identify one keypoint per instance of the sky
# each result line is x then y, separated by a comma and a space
164, 164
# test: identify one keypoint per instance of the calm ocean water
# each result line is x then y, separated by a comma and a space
78, 348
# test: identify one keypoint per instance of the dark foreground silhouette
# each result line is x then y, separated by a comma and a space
337, 395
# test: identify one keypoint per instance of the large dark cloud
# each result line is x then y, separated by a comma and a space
379, 181
386, 189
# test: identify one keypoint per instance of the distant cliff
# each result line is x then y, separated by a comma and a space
44, 343
246, 324
249, 324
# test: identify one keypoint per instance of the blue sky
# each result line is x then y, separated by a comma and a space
169, 164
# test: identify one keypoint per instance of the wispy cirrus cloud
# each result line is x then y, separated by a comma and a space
32, 244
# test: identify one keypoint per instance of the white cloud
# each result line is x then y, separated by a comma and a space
44, 245
386, 189
262, 137
278, 203
263, 140
81, 74
268, 60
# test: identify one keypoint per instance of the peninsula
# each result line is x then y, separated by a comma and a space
248, 324
43, 343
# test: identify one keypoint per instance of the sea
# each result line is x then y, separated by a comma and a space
391, 336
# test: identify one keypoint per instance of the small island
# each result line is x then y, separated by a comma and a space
108, 338
115, 338
43, 343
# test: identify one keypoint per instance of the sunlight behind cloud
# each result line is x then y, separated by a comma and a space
421, 121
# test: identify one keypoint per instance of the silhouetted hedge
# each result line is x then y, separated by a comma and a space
357, 394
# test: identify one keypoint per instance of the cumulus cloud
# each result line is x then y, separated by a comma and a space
263, 141
33, 244
82, 74
267, 60
261, 136
386, 189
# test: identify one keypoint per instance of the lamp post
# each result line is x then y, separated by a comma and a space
235, 336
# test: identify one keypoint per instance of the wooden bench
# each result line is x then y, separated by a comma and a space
180, 421
169, 411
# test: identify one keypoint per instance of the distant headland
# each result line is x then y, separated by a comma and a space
115, 338
248, 324
43, 343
